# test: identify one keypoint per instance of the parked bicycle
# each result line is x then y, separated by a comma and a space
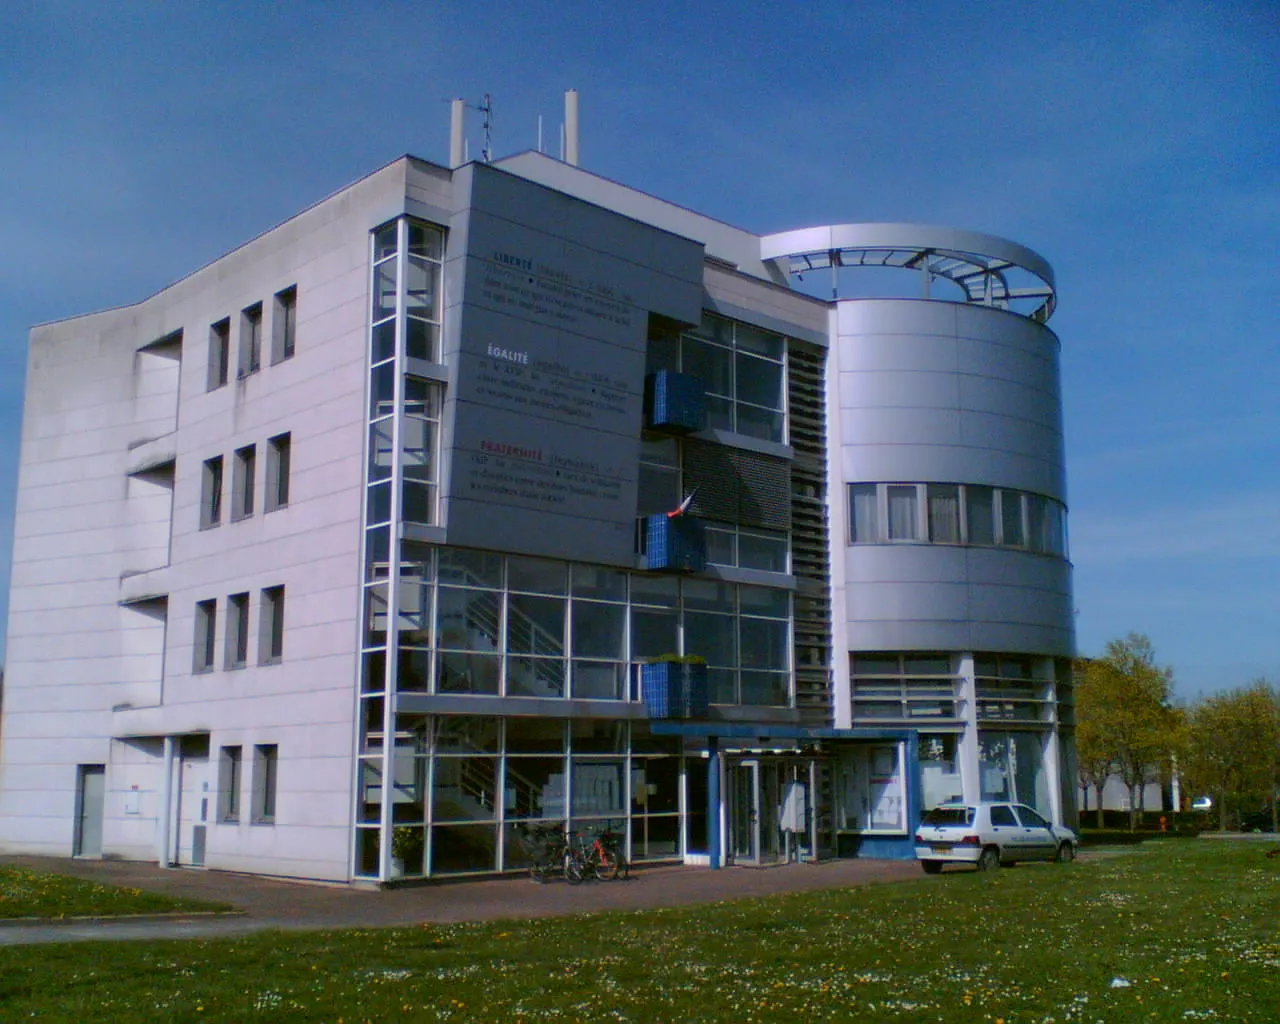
603, 857
553, 853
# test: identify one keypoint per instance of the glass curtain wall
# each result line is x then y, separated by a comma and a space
481, 623
468, 790
401, 483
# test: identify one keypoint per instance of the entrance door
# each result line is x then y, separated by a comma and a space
195, 794
755, 802
90, 794
744, 812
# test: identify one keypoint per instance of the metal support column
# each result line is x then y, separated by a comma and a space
713, 802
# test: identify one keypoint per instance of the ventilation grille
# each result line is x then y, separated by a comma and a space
734, 486
810, 532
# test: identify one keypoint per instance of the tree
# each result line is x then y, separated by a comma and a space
1125, 721
1093, 758
1234, 749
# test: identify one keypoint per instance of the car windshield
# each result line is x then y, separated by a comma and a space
949, 816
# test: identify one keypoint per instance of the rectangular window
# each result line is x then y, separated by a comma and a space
242, 484
229, 784
284, 324
237, 652
206, 628
864, 513
903, 519
1036, 522
271, 626
944, 513
419, 443
980, 514
1011, 533
251, 340
265, 757
279, 451
219, 353
211, 493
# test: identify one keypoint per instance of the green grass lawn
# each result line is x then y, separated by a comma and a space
26, 893
1170, 931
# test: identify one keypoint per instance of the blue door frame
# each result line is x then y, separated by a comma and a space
892, 847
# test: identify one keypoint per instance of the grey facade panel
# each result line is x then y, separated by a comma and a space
550, 311
938, 392
935, 463
1002, 420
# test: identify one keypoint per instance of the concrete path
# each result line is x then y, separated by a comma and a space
266, 903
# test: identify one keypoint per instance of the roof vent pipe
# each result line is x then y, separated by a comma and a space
455, 133
571, 127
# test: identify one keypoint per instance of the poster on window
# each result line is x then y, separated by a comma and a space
885, 790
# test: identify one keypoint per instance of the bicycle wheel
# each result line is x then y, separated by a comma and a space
574, 871
606, 864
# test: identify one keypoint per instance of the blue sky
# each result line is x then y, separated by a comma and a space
1134, 145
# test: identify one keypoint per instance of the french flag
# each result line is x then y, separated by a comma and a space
683, 507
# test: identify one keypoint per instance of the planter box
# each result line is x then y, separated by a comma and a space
674, 689
675, 402
676, 544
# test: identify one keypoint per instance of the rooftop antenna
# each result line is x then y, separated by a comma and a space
486, 108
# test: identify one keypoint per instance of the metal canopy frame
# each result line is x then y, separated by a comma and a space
990, 271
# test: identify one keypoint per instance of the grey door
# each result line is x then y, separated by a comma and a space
90, 793
194, 794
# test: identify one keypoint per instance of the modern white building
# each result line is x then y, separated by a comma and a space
344, 556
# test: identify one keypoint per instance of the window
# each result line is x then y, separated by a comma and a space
944, 513
211, 493
1011, 532
902, 687
271, 626
422, 288
219, 353
973, 514
745, 548
902, 512
980, 511
237, 652
742, 368
206, 628
263, 809
284, 324
1008, 688
659, 488
251, 340
419, 442
278, 458
866, 521
1003, 817
242, 484
229, 784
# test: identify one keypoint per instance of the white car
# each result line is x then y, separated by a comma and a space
987, 835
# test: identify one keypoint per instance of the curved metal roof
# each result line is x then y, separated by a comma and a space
992, 271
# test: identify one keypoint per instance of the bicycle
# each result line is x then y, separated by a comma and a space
604, 857
553, 854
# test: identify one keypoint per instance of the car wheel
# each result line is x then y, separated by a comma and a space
990, 859
1066, 853
931, 867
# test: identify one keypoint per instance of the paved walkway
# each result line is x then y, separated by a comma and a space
266, 903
